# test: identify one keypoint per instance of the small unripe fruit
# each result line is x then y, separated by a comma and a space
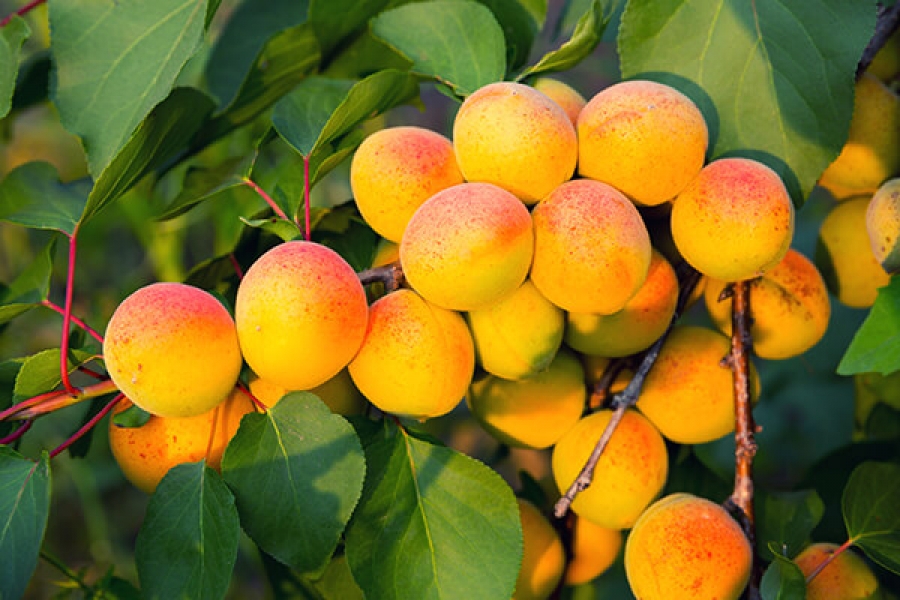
883, 225
847, 576
543, 556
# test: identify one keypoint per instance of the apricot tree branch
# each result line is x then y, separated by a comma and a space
88, 329
87, 426
51, 401
391, 275
887, 23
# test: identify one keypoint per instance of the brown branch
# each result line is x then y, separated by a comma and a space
390, 275
887, 23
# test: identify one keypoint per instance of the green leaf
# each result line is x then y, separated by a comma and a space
188, 542
114, 60
286, 230
24, 507
32, 195
205, 183
520, 25
774, 78
133, 416
301, 116
40, 372
31, 287
11, 38
297, 473
458, 43
584, 40
869, 504
337, 581
876, 345
783, 580
785, 520
433, 523
335, 20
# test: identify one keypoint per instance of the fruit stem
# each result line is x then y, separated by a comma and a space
21, 12
87, 426
268, 199
821, 566
888, 21
391, 275
67, 317
19, 432
89, 330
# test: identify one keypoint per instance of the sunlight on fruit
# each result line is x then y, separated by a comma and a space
543, 559
594, 549
568, 98
846, 577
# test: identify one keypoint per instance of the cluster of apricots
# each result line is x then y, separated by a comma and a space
527, 267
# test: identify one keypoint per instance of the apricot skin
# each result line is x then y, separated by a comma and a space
543, 556
513, 136
594, 549
338, 393
591, 248
734, 221
646, 139
847, 577
568, 98
684, 546
395, 170
301, 314
468, 246
172, 349
883, 225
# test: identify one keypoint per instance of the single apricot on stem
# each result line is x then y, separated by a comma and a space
543, 556
594, 549
172, 349
563, 94
684, 546
515, 137
883, 225
846, 577
301, 314
644, 138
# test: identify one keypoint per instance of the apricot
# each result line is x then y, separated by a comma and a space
684, 546
386, 252
514, 136
395, 170
518, 335
468, 246
563, 94
844, 255
417, 359
301, 314
339, 393
146, 453
591, 248
644, 138
846, 577
594, 549
883, 225
630, 474
886, 64
533, 412
734, 221
789, 305
172, 349
643, 319
689, 393
543, 556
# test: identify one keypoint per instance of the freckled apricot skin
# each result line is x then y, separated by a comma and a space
301, 314
417, 359
630, 474
684, 546
591, 248
883, 225
644, 138
543, 556
146, 453
637, 325
468, 246
847, 577
790, 304
514, 136
339, 393
395, 170
594, 549
734, 221
172, 349
568, 98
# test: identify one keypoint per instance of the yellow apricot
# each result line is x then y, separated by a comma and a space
734, 221
467, 246
591, 248
684, 546
844, 255
301, 314
594, 549
886, 64
543, 556
172, 349
339, 393
883, 225
846, 577
630, 474
518, 335
563, 94
789, 305
533, 412
513, 136
637, 325
417, 359
395, 170
146, 453
644, 138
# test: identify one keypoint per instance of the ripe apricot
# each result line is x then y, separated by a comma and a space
146, 453
630, 474
847, 576
301, 314
644, 138
339, 393
533, 412
417, 359
467, 246
172, 349
513, 136
886, 64
734, 221
883, 225
591, 248
789, 305
637, 325
543, 556
594, 549
844, 255
518, 335
563, 94
395, 170
684, 546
